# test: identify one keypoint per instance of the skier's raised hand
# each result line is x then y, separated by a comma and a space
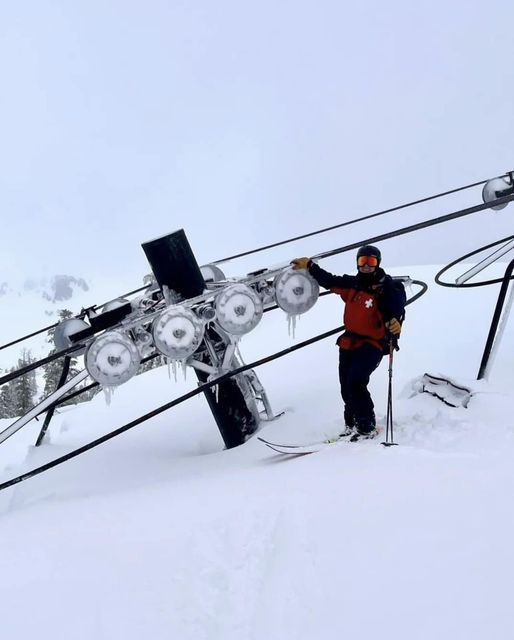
300, 263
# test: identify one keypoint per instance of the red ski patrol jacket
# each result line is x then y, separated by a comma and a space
369, 304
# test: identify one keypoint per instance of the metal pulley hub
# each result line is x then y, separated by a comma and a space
206, 312
143, 341
65, 329
112, 359
295, 291
497, 188
238, 309
114, 304
177, 332
212, 273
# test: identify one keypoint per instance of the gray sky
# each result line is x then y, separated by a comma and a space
122, 121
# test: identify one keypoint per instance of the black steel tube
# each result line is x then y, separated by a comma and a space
496, 320
51, 409
174, 264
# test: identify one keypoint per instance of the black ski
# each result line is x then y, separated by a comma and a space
300, 449
312, 447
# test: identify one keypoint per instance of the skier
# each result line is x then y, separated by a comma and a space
373, 316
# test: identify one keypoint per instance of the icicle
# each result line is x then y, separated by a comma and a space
108, 393
291, 325
172, 367
184, 368
238, 353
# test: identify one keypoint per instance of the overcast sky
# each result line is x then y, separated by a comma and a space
244, 123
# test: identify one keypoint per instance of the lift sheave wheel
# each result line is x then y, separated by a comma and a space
212, 273
112, 359
494, 189
177, 332
66, 328
295, 291
238, 309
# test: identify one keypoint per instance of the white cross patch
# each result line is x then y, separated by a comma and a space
369, 303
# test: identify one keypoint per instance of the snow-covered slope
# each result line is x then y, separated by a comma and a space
161, 534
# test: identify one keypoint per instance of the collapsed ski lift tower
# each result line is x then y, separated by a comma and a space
194, 317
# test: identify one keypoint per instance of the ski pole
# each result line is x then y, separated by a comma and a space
389, 441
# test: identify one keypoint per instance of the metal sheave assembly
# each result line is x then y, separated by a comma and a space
65, 329
177, 332
112, 359
114, 304
295, 291
238, 309
496, 188
212, 273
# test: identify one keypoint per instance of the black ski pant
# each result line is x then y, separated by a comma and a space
355, 368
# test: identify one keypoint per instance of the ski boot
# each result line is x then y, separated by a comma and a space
364, 435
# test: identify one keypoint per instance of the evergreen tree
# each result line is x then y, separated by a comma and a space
9, 398
24, 387
52, 371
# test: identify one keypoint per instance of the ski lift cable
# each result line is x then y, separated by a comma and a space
60, 354
179, 400
73, 394
482, 283
93, 385
39, 363
355, 220
485, 262
277, 244
30, 335
416, 227
54, 356
159, 410
52, 326
385, 236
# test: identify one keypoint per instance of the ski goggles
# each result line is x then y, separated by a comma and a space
371, 261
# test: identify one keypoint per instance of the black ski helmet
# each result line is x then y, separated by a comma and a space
369, 250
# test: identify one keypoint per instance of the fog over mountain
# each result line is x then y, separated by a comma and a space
58, 288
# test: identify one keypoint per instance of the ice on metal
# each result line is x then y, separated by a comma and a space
112, 359
291, 325
177, 333
238, 309
296, 291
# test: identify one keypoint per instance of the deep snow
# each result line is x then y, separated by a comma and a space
162, 534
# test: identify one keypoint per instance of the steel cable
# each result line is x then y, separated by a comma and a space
183, 398
354, 245
355, 220
283, 242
